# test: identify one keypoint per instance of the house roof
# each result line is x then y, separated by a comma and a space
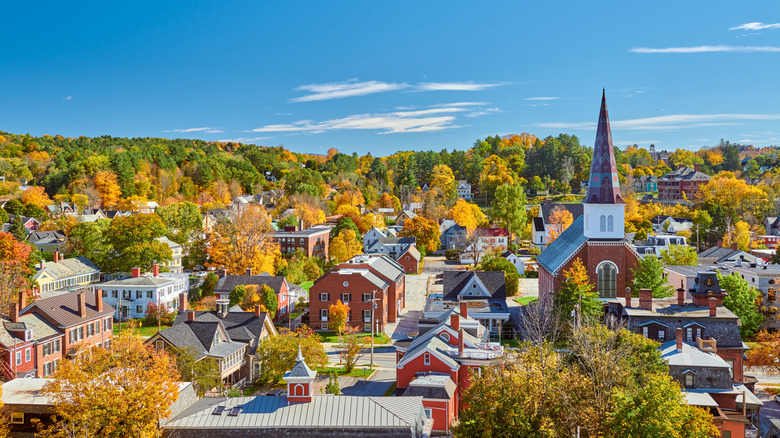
492, 232
383, 264
324, 414
25, 392
199, 335
240, 326
412, 251
455, 281
46, 237
142, 281
64, 308
718, 253
432, 386
564, 247
690, 356
432, 343
687, 174
70, 267
308, 232
604, 185
539, 225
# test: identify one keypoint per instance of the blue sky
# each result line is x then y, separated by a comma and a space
386, 76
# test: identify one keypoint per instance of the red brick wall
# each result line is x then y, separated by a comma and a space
735, 355
98, 338
332, 284
591, 255
411, 265
405, 375
26, 365
395, 291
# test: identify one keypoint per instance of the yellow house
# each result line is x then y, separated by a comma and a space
174, 265
63, 274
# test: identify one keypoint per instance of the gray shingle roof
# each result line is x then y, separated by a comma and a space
434, 344
455, 281
690, 356
564, 247
240, 326
143, 280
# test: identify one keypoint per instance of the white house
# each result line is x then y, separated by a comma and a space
374, 234
515, 260
464, 190
136, 292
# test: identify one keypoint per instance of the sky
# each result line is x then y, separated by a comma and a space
398, 75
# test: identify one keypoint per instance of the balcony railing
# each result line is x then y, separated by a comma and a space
485, 351
709, 345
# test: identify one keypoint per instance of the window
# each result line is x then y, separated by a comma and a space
47, 349
445, 336
661, 335
323, 314
27, 354
139, 294
607, 280
603, 223
610, 223
113, 294
366, 327
366, 298
427, 358
149, 294
346, 298
56, 346
645, 331
160, 345
429, 413
18, 358
46, 369
324, 326
81, 332
90, 329
731, 367
366, 316
139, 309
28, 335
345, 284
17, 417
108, 324
689, 380
324, 297
105, 294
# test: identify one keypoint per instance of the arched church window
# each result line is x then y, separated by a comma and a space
607, 281
603, 223
610, 223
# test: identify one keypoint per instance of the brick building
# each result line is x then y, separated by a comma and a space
313, 241
683, 181
356, 283
285, 295
597, 237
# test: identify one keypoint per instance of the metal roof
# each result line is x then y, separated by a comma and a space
564, 247
690, 356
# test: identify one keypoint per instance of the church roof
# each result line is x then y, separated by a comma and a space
563, 248
603, 186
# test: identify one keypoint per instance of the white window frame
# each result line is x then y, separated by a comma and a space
324, 297
27, 354
347, 296
18, 357
323, 314
427, 359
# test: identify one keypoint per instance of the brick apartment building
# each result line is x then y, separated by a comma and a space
356, 283
684, 180
313, 241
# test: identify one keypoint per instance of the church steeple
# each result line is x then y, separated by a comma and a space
603, 186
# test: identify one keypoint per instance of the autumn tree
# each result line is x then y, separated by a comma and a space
738, 235
37, 196
765, 353
277, 353
443, 181
79, 201
269, 300
649, 274
679, 255
134, 243
467, 215
495, 172
15, 269
509, 208
345, 246
425, 231
351, 348
559, 220
337, 316
99, 393
243, 241
202, 372
576, 294
744, 300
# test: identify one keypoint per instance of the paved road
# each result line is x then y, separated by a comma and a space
376, 385
384, 356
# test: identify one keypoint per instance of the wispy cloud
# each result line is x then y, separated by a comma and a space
340, 90
67, 98
456, 86
670, 122
206, 130
243, 140
708, 49
756, 26
483, 112
542, 98
458, 104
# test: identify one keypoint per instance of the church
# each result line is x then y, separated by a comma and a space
597, 237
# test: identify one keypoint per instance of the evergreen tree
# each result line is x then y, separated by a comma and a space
649, 274
18, 229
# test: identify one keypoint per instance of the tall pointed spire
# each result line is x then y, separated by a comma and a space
603, 186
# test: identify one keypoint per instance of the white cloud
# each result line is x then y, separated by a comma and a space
455, 86
206, 130
339, 90
459, 104
542, 98
243, 140
670, 122
707, 49
483, 112
756, 26
67, 98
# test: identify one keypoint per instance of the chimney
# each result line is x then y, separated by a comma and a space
22, 300
713, 306
82, 304
679, 338
646, 299
99, 299
464, 309
156, 269
461, 342
182, 302
696, 167
455, 321
190, 315
681, 297
248, 272
734, 246
14, 312
628, 297
720, 243
257, 311
43, 265
135, 272
56, 257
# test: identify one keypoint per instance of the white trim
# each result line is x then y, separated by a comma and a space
617, 270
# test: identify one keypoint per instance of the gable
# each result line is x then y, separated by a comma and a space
474, 288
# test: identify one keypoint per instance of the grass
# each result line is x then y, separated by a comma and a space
332, 337
356, 372
510, 343
390, 390
250, 390
525, 300
772, 388
297, 313
144, 331
306, 285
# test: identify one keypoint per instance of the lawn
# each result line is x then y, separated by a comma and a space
510, 343
332, 337
772, 388
356, 372
525, 300
144, 331
307, 284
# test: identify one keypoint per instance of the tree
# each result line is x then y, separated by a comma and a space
467, 215
15, 269
291, 220
510, 272
203, 373
649, 274
115, 392
765, 354
79, 201
509, 208
269, 300
345, 246
4, 417
277, 353
110, 192
559, 219
425, 231
443, 181
738, 235
351, 348
679, 255
209, 284
344, 224
134, 243
17, 228
243, 241
333, 384
744, 300
577, 293
183, 221
237, 295
36, 196
159, 314
337, 315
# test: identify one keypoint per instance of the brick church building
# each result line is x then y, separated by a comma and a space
597, 237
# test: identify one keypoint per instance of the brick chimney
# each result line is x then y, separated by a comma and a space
82, 304
646, 299
135, 272
14, 312
248, 272
696, 167
99, 299
156, 269
182, 302
56, 257
679, 338
464, 309
461, 342
628, 297
681, 297
734, 246
257, 311
455, 321
43, 265
190, 315
22, 300
713, 306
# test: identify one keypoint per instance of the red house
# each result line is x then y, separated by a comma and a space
285, 298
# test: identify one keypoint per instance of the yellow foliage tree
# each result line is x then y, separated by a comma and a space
36, 196
739, 234
345, 246
467, 215
737, 197
79, 201
443, 180
559, 219
337, 316
244, 242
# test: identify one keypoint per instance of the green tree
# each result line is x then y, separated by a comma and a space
203, 373
489, 263
237, 295
269, 300
649, 274
333, 384
277, 353
509, 208
577, 292
209, 284
744, 300
17, 229
345, 223
134, 244
14, 206
679, 255
183, 220
291, 220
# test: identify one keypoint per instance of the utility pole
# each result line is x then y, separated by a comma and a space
373, 306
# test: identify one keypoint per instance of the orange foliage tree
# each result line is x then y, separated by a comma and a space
36, 196
560, 218
337, 315
765, 353
243, 241
15, 269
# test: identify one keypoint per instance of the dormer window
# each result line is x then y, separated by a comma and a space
690, 379
28, 335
